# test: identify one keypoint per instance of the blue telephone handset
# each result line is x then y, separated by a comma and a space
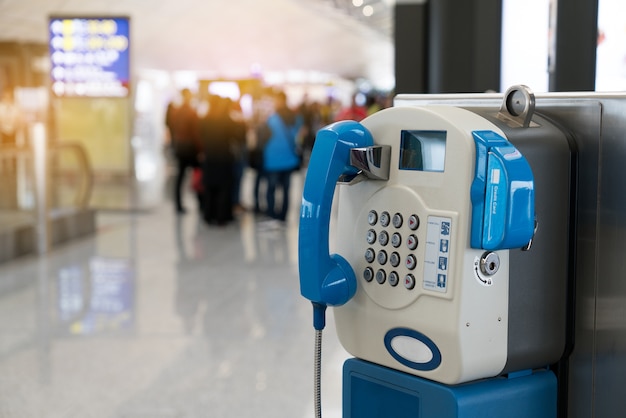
326, 279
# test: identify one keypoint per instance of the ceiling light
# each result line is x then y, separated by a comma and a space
357, 3
368, 10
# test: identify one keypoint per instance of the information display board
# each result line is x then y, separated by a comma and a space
90, 56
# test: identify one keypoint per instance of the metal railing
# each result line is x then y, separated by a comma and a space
69, 177
41, 179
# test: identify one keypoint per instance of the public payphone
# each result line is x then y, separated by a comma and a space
453, 257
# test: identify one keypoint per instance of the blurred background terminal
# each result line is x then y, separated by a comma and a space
114, 305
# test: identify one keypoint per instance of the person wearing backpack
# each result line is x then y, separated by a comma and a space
281, 155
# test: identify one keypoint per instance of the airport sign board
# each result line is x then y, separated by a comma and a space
89, 56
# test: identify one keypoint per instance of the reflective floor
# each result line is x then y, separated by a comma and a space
163, 316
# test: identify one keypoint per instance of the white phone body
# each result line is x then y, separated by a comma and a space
451, 326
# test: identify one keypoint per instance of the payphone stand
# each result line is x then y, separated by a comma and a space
432, 201
373, 391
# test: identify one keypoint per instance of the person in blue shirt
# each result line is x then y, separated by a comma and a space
281, 155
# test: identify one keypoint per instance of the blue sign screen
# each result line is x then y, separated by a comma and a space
90, 56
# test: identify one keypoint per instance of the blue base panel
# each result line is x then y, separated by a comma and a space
373, 391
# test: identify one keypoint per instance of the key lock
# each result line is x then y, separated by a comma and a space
517, 109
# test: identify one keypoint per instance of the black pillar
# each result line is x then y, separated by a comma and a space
448, 46
464, 45
573, 60
410, 46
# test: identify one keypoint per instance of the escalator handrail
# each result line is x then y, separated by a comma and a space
84, 193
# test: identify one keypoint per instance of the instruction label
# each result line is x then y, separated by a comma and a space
437, 253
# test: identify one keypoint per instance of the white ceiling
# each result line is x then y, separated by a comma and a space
229, 37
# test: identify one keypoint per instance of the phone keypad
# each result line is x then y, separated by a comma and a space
392, 229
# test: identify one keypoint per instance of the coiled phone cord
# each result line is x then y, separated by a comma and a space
317, 377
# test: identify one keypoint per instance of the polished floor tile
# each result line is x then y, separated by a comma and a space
163, 316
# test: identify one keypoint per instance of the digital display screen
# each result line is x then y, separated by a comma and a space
422, 150
90, 56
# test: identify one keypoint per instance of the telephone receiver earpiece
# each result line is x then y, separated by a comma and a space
327, 279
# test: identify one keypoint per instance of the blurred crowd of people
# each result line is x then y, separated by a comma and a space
213, 143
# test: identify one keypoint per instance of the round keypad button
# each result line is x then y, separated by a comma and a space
397, 220
382, 257
394, 259
411, 262
383, 238
385, 218
409, 281
368, 274
393, 278
370, 255
396, 240
371, 236
414, 222
411, 242
372, 217
381, 276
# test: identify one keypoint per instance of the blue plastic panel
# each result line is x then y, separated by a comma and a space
502, 194
373, 391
